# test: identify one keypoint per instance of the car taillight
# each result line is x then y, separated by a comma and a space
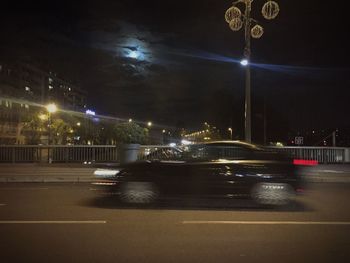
305, 162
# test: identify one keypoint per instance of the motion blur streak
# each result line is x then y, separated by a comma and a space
81, 114
271, 67
52, 222
268, 222
202, 55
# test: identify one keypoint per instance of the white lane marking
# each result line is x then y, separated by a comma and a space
94, 189
23, 188
332, 171
53, 222
269, 222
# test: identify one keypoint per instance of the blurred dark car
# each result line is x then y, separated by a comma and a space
224, 169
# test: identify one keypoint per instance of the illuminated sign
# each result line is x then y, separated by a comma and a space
90, 112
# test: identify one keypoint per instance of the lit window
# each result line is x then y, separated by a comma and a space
27, 88
50, 80
69, 89
50, 87
26, 106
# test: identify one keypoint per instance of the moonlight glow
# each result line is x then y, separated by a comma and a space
134, 54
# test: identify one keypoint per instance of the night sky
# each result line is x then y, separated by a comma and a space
176, 62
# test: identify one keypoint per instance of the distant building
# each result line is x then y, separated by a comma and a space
25, 87
12, 119
22, 80
320, 137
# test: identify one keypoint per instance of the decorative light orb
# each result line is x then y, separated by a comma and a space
236, 24
270, 10
231, 13
257, 31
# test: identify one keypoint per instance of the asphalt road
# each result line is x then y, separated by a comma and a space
75, 223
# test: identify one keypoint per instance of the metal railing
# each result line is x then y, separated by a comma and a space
58, 153
109, 153
321, 154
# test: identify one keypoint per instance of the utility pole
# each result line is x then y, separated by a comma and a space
236, 20
247, 53
265, 130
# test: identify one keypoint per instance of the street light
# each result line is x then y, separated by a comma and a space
230, 130
149, 124
51, 108
236, 21
244, 62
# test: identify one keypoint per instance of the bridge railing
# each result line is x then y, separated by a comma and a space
321, 154
109, 153
58, 153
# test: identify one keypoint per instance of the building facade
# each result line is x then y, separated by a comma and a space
22, 80
24, 89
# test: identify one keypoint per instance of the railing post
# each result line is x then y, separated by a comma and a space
13, 155
347, 155
40, 154
66, 152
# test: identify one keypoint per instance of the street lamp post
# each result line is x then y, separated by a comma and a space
236, 20
51, 108
230, 130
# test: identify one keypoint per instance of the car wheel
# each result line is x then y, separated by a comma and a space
139, 193
272, 193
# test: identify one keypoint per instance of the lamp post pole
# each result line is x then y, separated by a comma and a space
49, 158
230, 130
236, 21
247, 53
51, 108
49, 126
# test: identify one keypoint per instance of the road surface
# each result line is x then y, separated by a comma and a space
49, 222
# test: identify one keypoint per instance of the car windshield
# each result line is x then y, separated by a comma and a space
198, 152
213, 152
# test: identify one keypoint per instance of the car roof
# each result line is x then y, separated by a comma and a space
229, 143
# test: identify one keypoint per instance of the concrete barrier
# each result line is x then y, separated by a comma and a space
45, 173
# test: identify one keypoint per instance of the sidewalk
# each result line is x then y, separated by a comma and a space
44, 173
327, 173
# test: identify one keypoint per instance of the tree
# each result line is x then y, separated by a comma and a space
60, 131
130, 132
33, 129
